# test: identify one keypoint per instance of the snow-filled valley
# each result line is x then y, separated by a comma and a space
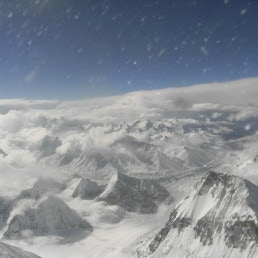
164, 173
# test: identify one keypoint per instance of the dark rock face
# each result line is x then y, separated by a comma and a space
134, 194
173, 222
206, 228
3, 153
239, 234
214, 179
160, 237
163, 233
5, 209
87, 190
52, 217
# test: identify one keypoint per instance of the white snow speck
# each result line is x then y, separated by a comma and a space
161, 52
204, 50
247, 127
243, 11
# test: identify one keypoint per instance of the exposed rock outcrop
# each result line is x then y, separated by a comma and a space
134, 194
87, 189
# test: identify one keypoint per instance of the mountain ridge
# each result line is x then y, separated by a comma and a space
220, 212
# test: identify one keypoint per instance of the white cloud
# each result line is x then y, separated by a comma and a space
96, 139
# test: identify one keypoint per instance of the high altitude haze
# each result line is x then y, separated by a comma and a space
83, 48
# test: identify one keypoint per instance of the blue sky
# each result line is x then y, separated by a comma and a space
70, 49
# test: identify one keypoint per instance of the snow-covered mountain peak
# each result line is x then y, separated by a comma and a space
52, 217
215, 180
220, 212
87, 189
42, 186
134, 194
220, 185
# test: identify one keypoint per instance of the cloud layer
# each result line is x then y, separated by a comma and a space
38, 135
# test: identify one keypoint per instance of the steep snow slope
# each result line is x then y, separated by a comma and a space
218, 219
52, 217
9, 251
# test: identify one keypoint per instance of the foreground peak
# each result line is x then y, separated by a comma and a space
220, 212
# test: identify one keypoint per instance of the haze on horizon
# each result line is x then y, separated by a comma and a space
80, 49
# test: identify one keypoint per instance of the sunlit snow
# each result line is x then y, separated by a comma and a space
85, 158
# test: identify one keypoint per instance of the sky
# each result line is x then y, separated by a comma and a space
75, 49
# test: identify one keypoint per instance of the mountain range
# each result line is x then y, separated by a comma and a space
168, 173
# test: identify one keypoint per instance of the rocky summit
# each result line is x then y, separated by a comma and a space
218, 218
